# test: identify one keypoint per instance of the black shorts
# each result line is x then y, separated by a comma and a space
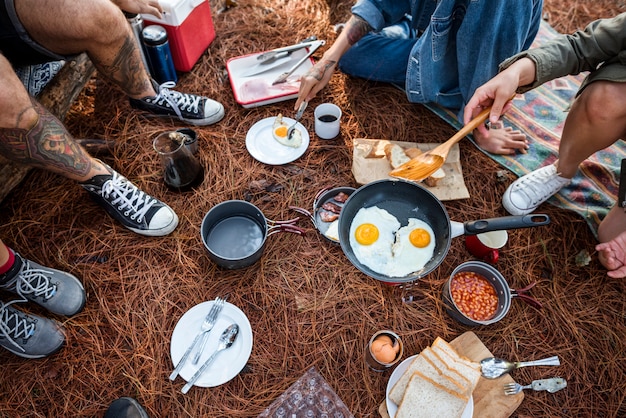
15, 44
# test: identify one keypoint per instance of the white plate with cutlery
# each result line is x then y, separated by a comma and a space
229, 362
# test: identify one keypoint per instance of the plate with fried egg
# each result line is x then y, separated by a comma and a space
267, 140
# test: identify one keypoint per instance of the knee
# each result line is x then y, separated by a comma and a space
105, 21
604, 102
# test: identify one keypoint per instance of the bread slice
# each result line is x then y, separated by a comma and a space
429, 365
396, 155
425, 398
463, 383
466, 367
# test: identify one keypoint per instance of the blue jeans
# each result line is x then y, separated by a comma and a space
458, 50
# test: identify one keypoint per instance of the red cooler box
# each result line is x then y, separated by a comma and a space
189, 29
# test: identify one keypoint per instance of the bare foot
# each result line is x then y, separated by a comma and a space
612, 255
502, 141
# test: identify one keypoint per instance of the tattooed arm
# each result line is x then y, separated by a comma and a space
319, 75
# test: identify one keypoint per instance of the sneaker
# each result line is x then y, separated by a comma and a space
28, 336
57, 291
526, 193
195, 110
125, 408
133, 208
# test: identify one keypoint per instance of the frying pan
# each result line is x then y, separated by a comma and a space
405, 200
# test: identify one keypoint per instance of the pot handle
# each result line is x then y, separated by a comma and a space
303, 212
505, 222
285, 226
521, 293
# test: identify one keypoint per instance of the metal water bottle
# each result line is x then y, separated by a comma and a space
159, 54
136, 23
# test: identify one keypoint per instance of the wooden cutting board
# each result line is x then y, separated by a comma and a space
489, 398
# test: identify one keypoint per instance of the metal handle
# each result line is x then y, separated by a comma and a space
281, 78
197, 374
196, 357
183, 359
506, 222
550, 361
270, 54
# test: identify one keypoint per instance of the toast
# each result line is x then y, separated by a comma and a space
425, 398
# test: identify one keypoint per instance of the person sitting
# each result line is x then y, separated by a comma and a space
30, 134
32, 336
596, 120
437, 52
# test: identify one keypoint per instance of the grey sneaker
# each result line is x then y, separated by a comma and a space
190, 108
526, 193
133, 208
125, 408
57, 291
28, 336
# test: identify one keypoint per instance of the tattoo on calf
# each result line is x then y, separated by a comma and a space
356, 28
46, 145
127, 69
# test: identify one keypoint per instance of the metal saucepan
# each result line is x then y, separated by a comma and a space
234, 233
406, 200
327, 205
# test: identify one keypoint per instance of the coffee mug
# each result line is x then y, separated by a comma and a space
327, 120
486, 245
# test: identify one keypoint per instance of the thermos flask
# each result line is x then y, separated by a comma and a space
159, 54
136, 23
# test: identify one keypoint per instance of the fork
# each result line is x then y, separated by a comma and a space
207, 324
551, 385
299, 114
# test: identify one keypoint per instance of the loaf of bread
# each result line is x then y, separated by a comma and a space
395, 155
425, 398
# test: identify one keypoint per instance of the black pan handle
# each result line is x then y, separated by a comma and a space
505, 222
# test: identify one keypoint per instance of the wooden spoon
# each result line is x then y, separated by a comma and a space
426, 164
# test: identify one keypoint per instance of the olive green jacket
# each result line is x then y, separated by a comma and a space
600, 49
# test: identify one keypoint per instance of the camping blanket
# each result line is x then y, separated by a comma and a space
540, 114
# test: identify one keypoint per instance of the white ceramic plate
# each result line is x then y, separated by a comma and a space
229, 362
392, 408
264, 148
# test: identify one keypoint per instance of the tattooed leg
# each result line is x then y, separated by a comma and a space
48, 145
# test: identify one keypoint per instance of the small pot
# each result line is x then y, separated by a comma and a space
234, 233
325, 196
504, 293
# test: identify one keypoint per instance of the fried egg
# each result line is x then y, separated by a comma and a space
279, 132
413, 248
372, 234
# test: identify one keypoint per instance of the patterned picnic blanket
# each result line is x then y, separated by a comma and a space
540, 114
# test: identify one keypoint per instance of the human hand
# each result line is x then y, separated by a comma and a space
498, 91
151, 7
612, 255
315, 80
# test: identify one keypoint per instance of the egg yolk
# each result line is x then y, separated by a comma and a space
419, 237
366, 234
281, 131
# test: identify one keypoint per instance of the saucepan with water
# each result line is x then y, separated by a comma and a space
234, 233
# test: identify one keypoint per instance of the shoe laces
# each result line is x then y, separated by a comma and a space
541, 186
14, 326
178, 101
127, 197
32, 281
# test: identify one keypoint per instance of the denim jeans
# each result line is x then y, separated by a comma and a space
444, 54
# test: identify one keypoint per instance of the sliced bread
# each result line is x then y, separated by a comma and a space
424, 398
463, 383
421, 363
466, 367
395, 155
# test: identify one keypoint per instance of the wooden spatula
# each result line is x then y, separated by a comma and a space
426, 164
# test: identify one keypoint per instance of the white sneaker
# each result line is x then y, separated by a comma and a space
526, 193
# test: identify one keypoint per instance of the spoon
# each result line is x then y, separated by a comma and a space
493, 367
424, 165
226, 340
299, 114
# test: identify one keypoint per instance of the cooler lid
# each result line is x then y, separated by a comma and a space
174, 11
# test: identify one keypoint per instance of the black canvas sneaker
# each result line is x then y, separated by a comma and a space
133, 208
28, 336
190, 108
57, 291
125, 408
